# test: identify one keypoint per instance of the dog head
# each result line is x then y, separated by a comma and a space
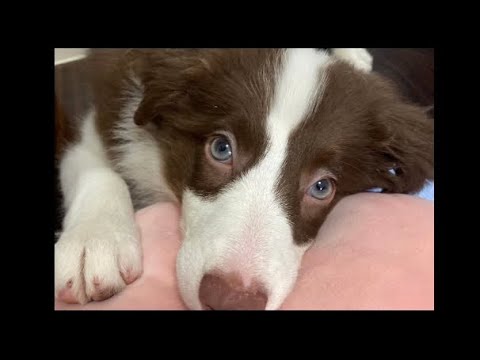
258, 146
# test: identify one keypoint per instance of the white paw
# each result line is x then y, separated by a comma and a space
360, 58
96, 259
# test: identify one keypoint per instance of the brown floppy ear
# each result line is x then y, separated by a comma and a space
166, 80
165, 92
407, 147
149, 111
161, 103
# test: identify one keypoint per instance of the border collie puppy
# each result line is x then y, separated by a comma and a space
255, 145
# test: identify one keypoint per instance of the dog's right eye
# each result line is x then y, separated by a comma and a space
221, 149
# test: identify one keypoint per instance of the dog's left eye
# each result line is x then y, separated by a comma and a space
221, 149
322, 189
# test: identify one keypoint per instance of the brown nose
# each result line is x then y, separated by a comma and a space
227, 292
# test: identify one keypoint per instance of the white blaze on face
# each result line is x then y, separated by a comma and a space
245, 229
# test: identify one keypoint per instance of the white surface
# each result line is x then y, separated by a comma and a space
64, 55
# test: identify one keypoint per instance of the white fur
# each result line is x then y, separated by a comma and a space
139, 159
245, 229
100, 238
360, 58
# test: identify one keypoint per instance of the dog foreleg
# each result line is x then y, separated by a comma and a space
99, 251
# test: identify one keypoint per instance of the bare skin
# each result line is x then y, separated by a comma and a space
373, 252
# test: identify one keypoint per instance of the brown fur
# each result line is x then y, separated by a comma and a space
197, 93
359, 130
189, 95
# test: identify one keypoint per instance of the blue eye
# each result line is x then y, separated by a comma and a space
322, 189
221, 149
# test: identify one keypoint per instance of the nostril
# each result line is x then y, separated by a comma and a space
226, 292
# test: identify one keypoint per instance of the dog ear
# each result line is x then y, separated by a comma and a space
153, 108
166, 81
406, 148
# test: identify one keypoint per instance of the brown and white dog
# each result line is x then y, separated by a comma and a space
256, 145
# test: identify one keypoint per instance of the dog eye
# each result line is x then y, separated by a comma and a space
322, 189
221, 149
